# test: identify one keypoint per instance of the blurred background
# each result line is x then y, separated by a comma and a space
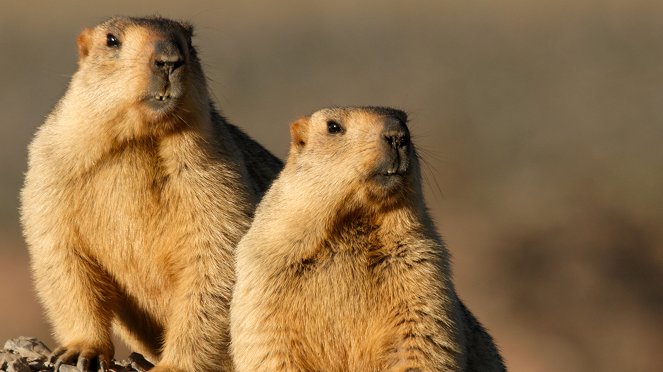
541, 124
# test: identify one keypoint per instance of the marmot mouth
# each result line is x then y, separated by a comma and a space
161, 102
397, 166
389, 179
163, 93
400, 171
391, 173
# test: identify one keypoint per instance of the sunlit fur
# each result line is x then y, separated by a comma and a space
340, 272
131, 213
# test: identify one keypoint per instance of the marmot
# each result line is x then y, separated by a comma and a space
136, 195
342, 269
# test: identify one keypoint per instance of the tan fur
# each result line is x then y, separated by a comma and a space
131, 213
342, 269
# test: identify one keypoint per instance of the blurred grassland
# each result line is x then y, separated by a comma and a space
540, 123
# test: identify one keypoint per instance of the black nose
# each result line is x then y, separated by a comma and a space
167, 57
397, 135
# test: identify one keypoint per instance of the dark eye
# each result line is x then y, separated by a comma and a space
112, 41
333, 127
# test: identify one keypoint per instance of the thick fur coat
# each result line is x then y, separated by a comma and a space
342, 269
136, 195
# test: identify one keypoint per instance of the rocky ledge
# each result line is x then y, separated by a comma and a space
27, 354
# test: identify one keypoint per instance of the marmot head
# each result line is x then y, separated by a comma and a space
364, 150
147, 66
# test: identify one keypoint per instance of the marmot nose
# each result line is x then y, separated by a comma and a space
167, 57
397, 135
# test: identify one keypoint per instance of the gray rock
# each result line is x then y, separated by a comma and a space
139, 363
28, 347
18, 365
119, 368
37, 365
26, 354
123, 363
6, 357
68, 368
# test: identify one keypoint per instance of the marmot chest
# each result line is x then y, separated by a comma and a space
130, 202
349, 272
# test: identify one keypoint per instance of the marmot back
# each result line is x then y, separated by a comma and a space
136, 194
342, 269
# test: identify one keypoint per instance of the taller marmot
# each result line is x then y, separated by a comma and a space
342, 269
136, 196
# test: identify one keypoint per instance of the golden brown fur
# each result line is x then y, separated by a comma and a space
136, 195
342, 269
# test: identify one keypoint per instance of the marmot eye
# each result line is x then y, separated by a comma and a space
112, 41
333, 127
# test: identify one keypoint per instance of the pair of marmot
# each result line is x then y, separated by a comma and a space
138, 194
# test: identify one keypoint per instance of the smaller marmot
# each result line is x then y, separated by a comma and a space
342, 269
136, 195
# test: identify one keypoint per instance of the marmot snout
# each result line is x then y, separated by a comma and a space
397, 152
168, 66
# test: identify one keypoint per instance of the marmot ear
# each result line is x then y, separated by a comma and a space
299, 133
83, 41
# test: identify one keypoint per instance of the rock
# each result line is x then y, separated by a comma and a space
118, 368
27, 354
139, 363
68, 368
28, 347
37, 365
123, 363
6, 357
18, 365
